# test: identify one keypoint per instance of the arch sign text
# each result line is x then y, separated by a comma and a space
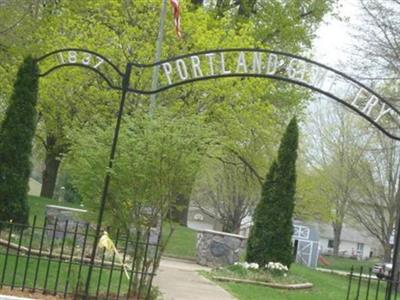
222, 63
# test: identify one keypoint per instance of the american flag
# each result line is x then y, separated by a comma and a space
177, 17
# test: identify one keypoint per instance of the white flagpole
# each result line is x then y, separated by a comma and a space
156, 70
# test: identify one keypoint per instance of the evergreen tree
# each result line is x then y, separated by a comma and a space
271, 235
16, 133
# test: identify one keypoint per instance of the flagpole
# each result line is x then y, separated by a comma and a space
156, 70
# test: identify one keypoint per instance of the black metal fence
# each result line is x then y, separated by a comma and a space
363, 284
54, 259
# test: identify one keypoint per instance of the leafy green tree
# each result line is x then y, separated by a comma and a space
16, 134
125, 31
312, 204
157, 159
286, 25
271, 235
99, 24
335, 158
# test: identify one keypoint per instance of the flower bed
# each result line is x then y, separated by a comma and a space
273, 275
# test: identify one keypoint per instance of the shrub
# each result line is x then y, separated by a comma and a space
271, 235
16, 134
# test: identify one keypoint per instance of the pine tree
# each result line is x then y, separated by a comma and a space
16, 134
271, 235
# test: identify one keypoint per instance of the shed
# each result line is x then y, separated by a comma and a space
305, 244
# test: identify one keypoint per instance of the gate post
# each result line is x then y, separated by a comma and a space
125, 86
394, 276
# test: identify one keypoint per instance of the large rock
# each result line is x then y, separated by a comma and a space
215, 248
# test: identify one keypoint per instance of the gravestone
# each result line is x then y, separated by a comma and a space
68, 220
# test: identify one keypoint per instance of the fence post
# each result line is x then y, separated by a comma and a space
350, 279
155, 259
71, 259
131, 280
40, 254
21, 234
377, 289
369, 283
125, 87
123, 262
112, 265
50, 255
81, 261
6, 257
359, 283
29, 252
101, 269
144, 271
61, 256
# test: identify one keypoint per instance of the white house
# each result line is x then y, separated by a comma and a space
354, 242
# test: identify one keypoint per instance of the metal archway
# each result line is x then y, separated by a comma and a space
225, 63
241, 62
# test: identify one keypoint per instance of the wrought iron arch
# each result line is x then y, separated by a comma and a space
75, 57
275, 65
218, 63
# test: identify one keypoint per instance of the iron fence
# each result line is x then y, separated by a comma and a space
363, 284
54, 258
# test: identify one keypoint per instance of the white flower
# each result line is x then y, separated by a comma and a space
276, 266
254, 266
246, 265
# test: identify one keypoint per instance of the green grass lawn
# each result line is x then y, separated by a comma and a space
55, 275
182, 242
345, 264
326, 287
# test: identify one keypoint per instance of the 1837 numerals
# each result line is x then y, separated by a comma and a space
84, 58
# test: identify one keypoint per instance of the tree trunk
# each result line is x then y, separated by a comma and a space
337, 232
387, 253
49, 175
179, 211
52, 164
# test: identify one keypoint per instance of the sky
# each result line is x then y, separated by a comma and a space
331, 47
334, 36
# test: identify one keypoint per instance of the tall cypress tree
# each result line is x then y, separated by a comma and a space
271, 235
16, 134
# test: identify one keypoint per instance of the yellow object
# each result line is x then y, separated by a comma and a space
106, 243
